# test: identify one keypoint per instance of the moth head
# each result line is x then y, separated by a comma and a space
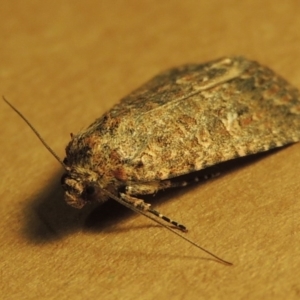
81, 189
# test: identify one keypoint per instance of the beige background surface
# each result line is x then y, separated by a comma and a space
64, 63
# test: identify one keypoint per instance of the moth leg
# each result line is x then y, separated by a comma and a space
146, 207
153, 187
195, 179
147, 188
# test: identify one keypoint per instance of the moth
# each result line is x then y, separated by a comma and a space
183, 120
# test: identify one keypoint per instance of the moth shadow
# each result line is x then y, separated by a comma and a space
49, 218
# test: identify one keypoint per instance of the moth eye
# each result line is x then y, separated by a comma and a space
63, 179
65, 161
89, 190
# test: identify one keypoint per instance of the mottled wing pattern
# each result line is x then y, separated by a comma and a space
177, 84
195, 116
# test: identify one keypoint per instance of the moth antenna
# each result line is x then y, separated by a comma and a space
35, 132
167, 227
